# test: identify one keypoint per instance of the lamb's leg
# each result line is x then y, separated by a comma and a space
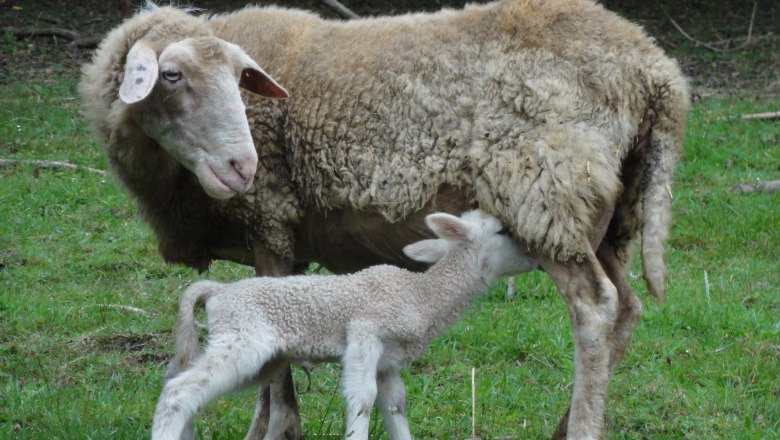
358, 378
592, 301
224, 367
391, 398
629, 312
278, 397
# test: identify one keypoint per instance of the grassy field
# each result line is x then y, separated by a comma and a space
86, 306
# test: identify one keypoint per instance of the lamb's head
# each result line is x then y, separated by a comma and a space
481, 237
186, 97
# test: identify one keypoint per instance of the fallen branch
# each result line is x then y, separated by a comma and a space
74, 37
747, 41
768, 186
766, 116
54, 165
340, 9
121, 307
762, 116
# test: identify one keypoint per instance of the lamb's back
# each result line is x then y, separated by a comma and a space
310, 314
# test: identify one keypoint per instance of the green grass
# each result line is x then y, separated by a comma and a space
74, 365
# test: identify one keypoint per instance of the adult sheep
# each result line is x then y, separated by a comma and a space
557, 116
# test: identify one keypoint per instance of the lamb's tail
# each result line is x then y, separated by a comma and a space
187, 346
647, 176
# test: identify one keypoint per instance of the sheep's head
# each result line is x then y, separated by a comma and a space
186, 98
484, 238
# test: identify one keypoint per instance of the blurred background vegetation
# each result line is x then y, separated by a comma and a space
727, 47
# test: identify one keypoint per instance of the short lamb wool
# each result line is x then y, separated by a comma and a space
373, 321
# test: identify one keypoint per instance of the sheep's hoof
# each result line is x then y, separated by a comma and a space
561, 431
293, 433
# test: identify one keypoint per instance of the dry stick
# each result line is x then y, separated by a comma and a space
700, 43
72, 36
761, 116
752, 18
473, 404
55, 165
43, 32
121, 307
766, 116
768, 186
340, 9
713, 48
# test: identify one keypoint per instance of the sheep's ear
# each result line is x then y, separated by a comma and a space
140, 73
426, 251
449, 227
254, 79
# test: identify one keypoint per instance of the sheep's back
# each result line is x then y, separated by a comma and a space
529, 105
537, 125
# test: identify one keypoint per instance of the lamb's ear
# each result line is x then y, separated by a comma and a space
140, 73
449, 227
254, 79
426, 251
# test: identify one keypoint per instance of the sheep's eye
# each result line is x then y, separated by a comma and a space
504, 231
171, 75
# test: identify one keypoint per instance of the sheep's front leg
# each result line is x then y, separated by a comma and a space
358, 377
391, 398
592, 301
275, 400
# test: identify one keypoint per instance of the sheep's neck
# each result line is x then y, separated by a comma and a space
262, 43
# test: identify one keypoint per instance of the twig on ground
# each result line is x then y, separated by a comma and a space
473, 404
768, 186
721, 348
761, 116
120, 307
74, 37
765, 116
55, 165
340, 9
700, 43
748, 40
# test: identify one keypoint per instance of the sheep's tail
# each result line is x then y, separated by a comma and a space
671, 105
187, 345
647, 174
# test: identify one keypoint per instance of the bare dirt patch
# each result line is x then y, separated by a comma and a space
136, 348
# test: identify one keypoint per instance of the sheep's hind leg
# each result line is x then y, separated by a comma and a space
391, 399
276, 403
358, 378
629, 313
629, 305
592, 301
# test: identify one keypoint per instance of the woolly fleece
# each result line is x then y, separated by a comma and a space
529, 106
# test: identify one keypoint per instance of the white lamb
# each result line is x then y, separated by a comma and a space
373, 321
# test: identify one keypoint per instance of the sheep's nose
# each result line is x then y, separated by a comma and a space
245, 170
